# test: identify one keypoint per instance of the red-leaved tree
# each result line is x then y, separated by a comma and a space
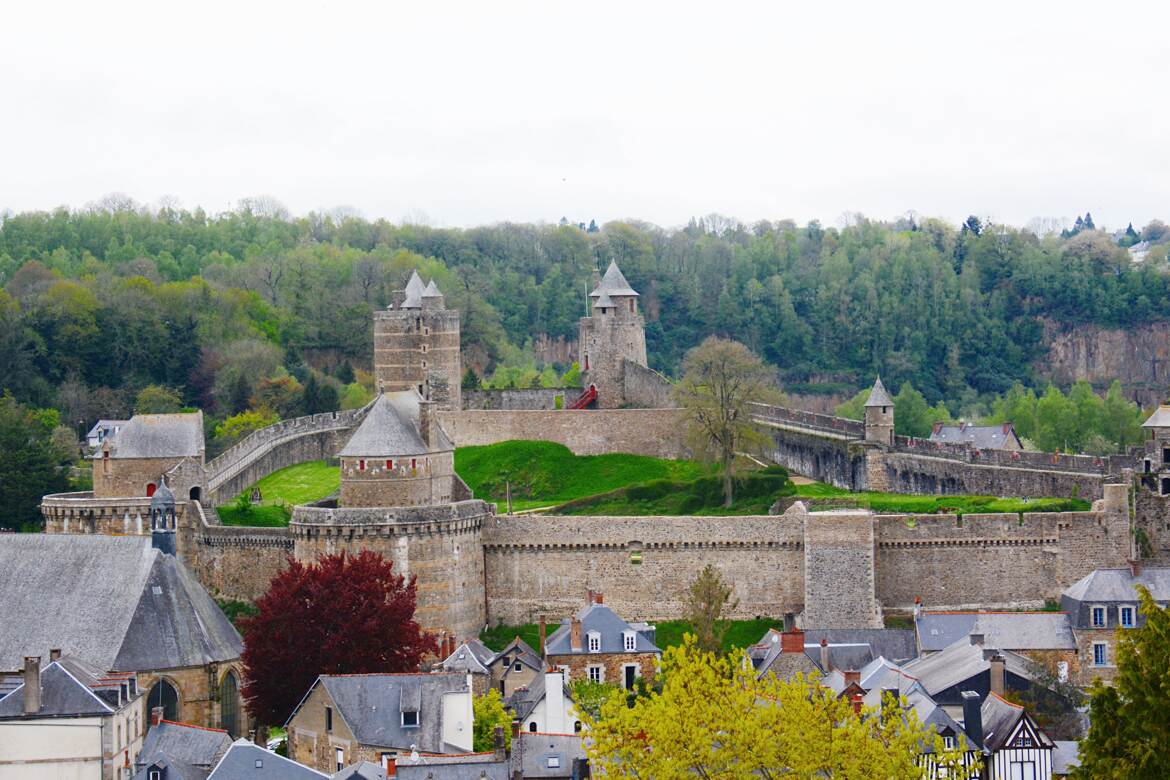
346, 614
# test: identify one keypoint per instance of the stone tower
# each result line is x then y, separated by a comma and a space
416, 345
613, 335
879, 415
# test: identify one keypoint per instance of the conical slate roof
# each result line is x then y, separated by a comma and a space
415, 286
604, 301
1159, 419
391, 430
432, 290
878, 395
613, 283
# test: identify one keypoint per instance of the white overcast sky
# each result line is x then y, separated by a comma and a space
478, 112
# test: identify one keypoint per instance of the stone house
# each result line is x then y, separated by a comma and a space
123, 605
1045, 637
344, 719
398, 456
980, 437
1103, 604
178, 751
148, 446
69, 720
516, 666
597, 645
969, 666
471, 657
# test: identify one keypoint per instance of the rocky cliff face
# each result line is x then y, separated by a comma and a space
1139, 357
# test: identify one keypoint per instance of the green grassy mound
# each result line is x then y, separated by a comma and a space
544, 473
827, 496
303, 483
754, 494
668, 633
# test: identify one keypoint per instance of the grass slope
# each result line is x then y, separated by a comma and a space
544, 473
299, 484
897, 503
754, 494
668, 633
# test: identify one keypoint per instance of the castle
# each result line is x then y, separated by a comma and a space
400, 496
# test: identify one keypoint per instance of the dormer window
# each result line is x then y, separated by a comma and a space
409, 718
594, 642
629, 641
1098, 616
949, 741
1126, 617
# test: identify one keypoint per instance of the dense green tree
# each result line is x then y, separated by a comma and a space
31, 464
155, 399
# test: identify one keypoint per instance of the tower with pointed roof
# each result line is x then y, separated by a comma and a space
416, 345
879, 415
611, 336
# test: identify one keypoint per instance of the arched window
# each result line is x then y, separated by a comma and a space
229, 704
150, 488
532, 727
164, 695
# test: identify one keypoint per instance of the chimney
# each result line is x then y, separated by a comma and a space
976, 639
789, 621
156, 716
1135, 568
575, 635
598, 598
825, 656
54, 654
917, 606
853, 677
498, 743
428, 423
589, 596
856, 701
972, 719
543, 634
792, 641
32, 684
997, 675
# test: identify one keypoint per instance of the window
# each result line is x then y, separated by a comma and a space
164, 695
949, 741
636, 557
532, 727
596, 674
259, 763
629, 674
414, 463
1166, 454
409, 719
594, 642
155, 774
340, 755
554, 762
361, 464
629, 641
516, 667
1062, 670
1023, 770
1098, 617
631, 305
1100, 654
1024, 741
576, 727
329, 719
1127, 617
424, 351
229, 706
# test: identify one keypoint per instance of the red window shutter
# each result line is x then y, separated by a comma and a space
361, 465
389, 464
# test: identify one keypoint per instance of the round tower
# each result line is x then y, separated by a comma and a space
879, 415
416, 345
613, 334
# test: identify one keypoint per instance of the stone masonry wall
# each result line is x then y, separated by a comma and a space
542, 565
531, 398
236, 563
839, 571
645, 388
922, 473
656, 432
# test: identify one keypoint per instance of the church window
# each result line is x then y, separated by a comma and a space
229, 704
164, 695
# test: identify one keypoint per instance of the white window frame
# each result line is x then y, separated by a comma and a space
414, 725
1104, 654
1093, 616
339, 754
1121, 613
949, 742
637, 673
600, 673
1062, 670
593, 642
629, 641
554, 762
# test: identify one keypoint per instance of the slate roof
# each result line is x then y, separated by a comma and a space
239, 763
113, 600
362, 770
604, 301
171, 768
984, 437
535, 750
1118, 585
391, 429
415, 286
1064, 756
471, 656
853, 648
159, 436
602, 619
432, 290
372, 705
613, 283
1004, 630
525, 655
469, 766
959, 663
999, 721
1159, 419
878, 395
524, 700
63, 695
107, 425
193, 745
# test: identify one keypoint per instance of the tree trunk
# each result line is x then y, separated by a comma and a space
727, 487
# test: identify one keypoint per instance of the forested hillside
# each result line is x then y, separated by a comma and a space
100, 303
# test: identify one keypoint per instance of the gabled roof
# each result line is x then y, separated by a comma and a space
603, 620
471, 656
1120, 585
170, 768
189, 744
959, 663
113, 600
467, 766
613, 283
878, 395
604, 301
391, 429
519, 650
1159, 419
1003, 720
372, 705
101, 425
983, 437
524, 700
159, 436
362, 770
245, 760
63, 695
853, 648
1003, 630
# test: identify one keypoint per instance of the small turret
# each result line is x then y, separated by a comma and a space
162, 518
879, 415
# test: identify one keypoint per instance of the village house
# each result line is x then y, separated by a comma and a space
1045, 637
471, 657
1102, 605
179, 751
516, 666
343, 719
68, 720
121, 604
1015, 746
131, 462
980, 437
969, 666
247, 761
102, 430
785, 653
546, 706
597, 645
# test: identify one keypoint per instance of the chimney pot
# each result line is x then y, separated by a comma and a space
853, 677
856, 702
498, 743
998, 676
1135, 568
575, 635
825, 656
598, 598
972, 719
32, 685
789, 621
54, 654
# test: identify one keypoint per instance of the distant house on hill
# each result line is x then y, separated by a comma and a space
1138, 252
982, 437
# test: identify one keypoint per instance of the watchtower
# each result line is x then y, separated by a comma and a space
613, 334
879, 415
416, 345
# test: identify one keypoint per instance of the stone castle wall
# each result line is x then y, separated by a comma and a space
655, 432
530, 398
607, 342
412, 481
839, 571
121, 477
645, 388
